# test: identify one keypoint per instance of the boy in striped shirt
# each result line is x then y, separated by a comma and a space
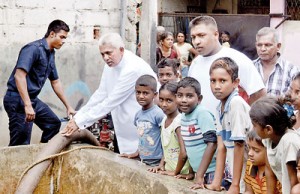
198, 130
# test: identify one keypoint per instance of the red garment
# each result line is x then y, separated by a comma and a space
159, 55
243, 94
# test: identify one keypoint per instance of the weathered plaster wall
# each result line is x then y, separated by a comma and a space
78, 61
290, 41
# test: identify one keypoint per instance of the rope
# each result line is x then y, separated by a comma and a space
56, 155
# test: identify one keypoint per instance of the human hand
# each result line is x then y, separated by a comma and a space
185, 61
156, 169
124, 155
169, 173
185, 176
71, 111
70, 128
213, 187
181, 176
233, 189
130, 156
29, 112
199, 183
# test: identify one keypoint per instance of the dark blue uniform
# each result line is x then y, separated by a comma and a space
39, 62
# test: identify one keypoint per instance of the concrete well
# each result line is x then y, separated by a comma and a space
89, 171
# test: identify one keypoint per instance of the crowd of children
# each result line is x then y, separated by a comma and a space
254, 151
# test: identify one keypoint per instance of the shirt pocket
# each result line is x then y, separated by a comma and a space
41, 67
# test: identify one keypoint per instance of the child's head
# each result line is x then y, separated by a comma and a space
145, 90
167, 98
225, 36
295, 91
188, 94
167, 70
223, 77
257, 150
269, 117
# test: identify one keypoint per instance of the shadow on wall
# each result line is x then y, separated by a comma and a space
77, 93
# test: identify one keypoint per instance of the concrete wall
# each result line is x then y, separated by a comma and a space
78, 62
291, 41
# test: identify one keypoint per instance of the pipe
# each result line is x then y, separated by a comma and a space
284, 19
279, 15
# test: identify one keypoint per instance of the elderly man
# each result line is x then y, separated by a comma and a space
276, 72
116, 93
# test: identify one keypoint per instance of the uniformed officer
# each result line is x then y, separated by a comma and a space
36, 63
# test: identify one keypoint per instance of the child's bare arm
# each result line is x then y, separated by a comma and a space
209, 153
182, 153
220, 166
291, 167
248, 189
210, 139
191, 174
239, 147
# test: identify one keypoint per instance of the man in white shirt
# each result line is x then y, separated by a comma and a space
205, 38
116, 93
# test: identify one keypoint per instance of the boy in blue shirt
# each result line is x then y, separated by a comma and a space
148, 121
198, 130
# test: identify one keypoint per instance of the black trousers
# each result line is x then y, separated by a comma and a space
20, 130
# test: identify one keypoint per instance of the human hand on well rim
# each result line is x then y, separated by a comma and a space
70, 128
189, 176
199, 184
166, 172
213, 187
156, 169
130, 156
